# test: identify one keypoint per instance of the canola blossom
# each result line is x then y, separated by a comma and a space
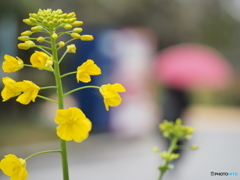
86, 69
12, 64
41, 60
110, 94
14, 167
73, 124
12, 88
30, 92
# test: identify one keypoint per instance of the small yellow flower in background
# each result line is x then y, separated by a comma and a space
155, 149
12, 64
73, 124
86, 69
41, 59
194, 147
71, 48
110, 94
30, 91
10, 90
14, 167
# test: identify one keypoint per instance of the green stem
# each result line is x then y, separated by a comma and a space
62, 56
48, 87
164, 167
74, 72
42, 152
60, 106
84, 87
48, 99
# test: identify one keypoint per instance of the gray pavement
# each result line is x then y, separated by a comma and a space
106, 157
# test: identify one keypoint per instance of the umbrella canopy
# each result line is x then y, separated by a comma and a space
188, 65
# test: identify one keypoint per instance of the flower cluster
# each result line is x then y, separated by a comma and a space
72, 122
176, 130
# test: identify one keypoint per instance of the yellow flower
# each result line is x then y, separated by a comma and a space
73, 124
12, 64
10, 90
86, 69
110, 94
41, 59
30, 91
71, 48
14, 167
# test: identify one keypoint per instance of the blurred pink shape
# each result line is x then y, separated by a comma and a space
192, 66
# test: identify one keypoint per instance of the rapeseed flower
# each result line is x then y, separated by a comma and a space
110, 94
73, 124
14, 167
41, 60
12, 64
86, 69
30, 92
10, 90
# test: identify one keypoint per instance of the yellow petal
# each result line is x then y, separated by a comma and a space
118, 87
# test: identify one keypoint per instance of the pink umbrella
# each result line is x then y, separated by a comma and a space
188, 65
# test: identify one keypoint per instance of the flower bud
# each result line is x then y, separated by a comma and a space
76, 35
72, 20
45, 21
55, 21
23, 38
26, 45
87, 38
61, 44
28, 22
33, 15
37, 28
77, 30
72, 14
26, 33
68, 26
50, 23
77, 23
40, 39
54, 35
33, 20
71, 48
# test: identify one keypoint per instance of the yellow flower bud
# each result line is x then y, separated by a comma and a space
72, 14
28, 22
55, 21
26, 45
71, 48
65, 20
87, 38
33, 15
23, 38
194, 147
76, 35
72, 20
68, 26
54, 35
77, 23
26, 33
45, 21
33, 20
40, 39
50, 23
37, 28
61, 44
77, 30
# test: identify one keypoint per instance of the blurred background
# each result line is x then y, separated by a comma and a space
177, 58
